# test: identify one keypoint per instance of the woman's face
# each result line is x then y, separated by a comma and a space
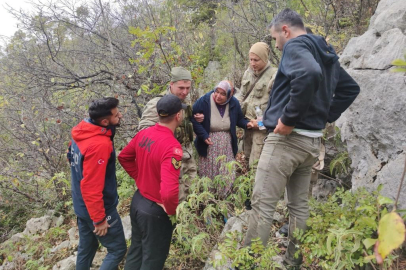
220, 96
256, 63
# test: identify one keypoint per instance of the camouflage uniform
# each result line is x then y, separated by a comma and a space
184, 134
259, 96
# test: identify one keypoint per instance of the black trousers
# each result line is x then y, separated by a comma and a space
151, 235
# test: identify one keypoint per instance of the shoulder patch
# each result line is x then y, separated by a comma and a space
177, 151
176, 163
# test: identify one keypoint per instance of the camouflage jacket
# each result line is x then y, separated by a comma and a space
259, 96
184, 133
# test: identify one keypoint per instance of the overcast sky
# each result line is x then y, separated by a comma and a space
8, 24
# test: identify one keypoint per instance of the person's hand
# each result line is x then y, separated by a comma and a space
254, 123
282, 129
250, 125
199, 117
208, 141
163, 207
101, 229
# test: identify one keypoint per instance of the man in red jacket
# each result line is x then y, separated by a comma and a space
94, 186
153, 158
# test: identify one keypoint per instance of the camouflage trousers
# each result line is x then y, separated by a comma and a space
188, 171
253, 144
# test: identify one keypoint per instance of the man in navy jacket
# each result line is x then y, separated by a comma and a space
94, 186
310, 89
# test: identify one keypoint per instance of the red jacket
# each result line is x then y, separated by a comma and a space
153, 158
93, 171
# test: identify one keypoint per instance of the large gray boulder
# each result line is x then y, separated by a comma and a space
38, 225
374, 126
66, 264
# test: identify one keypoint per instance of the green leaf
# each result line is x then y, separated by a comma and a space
369, 242
328, 243
368, 221
399, 62
384, 200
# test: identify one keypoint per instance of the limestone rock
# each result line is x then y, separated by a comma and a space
73, 234
389, 14
323, 188
127, 227
211, 76
57, 221
66, 264
233, 224
390, 176
374, 50
64, 244
374, 126
17, 237
38, 225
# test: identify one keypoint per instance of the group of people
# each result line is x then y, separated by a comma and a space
308, 90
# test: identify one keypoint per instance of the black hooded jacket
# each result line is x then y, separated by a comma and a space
310, 88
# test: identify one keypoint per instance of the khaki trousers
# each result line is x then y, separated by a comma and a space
285, 162
253, 144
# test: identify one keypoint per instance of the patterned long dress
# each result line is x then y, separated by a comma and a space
220, 152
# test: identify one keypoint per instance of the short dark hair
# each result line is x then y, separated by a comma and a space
166, 119
288, 17
309, 30
100, 108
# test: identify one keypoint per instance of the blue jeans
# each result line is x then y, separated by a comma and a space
114, 241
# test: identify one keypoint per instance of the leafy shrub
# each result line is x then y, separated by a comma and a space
200, 219
254, 257
338, 228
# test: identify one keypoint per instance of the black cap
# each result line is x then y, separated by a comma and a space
169, 105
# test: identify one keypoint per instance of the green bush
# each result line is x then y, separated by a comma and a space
338, 227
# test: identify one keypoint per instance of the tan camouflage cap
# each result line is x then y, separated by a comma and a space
262, 50
180, 73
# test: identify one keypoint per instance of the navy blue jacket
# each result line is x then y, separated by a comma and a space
202, 130
310, 88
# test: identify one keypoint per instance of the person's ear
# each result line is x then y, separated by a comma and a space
285, 31
179, 116
104, 122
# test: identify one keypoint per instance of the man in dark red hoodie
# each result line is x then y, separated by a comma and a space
154, 158
94, 186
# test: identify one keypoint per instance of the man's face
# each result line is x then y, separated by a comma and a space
256, 63
280, 36
114, 119
181, 89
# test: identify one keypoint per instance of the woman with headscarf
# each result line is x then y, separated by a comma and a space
216, 134
256, 85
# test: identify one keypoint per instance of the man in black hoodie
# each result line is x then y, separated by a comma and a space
310, 89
